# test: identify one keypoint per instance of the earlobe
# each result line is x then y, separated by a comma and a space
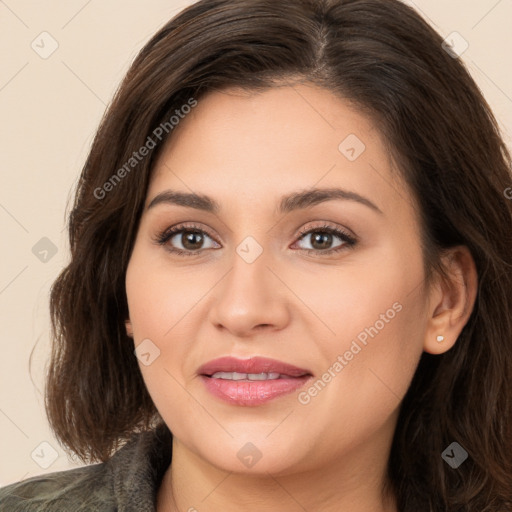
451, 301
129, 330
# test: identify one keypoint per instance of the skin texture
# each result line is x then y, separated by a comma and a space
246, 150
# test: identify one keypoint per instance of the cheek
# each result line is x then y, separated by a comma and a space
375, 312
160, 295
163, 303
371, 379
375, 294
158, 302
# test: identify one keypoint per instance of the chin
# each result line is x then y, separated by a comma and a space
256, 454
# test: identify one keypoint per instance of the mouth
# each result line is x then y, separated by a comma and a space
250, 382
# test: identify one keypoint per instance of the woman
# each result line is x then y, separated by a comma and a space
291, 248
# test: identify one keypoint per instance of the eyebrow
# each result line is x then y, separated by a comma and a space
290, 202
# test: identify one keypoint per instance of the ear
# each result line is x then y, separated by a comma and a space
129, 329
451, 300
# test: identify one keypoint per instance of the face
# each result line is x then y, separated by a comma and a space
332, 285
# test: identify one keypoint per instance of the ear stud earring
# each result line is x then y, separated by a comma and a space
440, 339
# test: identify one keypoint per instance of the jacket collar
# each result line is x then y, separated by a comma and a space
138, 468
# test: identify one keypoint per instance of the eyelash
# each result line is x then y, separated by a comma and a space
163, 237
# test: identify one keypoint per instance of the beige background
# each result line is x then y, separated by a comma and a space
50, 109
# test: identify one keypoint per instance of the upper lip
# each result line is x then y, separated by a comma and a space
251, 365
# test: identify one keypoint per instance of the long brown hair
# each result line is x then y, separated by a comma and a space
382, 57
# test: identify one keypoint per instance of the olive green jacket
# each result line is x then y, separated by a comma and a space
127, 482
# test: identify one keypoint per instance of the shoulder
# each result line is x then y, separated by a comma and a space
128, 481
80, 489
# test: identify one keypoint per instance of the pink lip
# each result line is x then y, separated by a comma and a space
251, 393
251, 365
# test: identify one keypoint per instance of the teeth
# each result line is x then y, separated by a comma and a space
242, 376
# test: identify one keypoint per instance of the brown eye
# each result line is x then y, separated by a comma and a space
185, 240
190, 240
322, 239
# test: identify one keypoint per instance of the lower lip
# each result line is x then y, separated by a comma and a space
256, 392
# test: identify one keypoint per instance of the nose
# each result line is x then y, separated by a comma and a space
249, 298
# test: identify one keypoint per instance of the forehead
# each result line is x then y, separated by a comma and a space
264, 144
